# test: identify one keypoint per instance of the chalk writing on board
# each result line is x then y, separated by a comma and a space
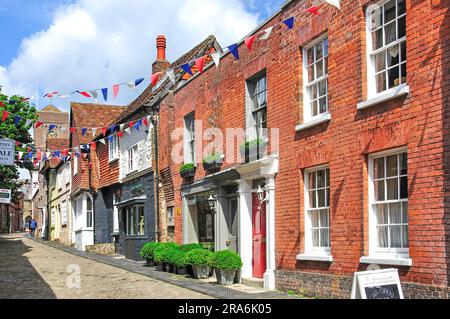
382, 292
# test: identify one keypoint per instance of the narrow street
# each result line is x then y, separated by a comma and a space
32, 270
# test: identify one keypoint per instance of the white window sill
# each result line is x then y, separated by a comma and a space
385, 96
113, 160
316, 120
386, 260
316, 257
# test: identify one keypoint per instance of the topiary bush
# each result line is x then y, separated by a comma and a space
199, 257
179, 258
226, 260
148, 250
161, 251
188, 247
169, 255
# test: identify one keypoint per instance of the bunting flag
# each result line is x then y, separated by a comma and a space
335, 3
249, 42
234, 49
131, 85
216, 58
2, 104
83, 131
115, 90
154, 78
17, 119
73, 130
94, 94
104, 131
171, 74
83, 155
94, 130
38, 124
267, 33
138, 81
131, 124
105, 94
102, 141
187, 68
145, 121
289, 22
128, 130
313, 10
51, 127
85, 94
120, 134
200, 63
113, 128
5, 115
93, 146
28, 122
110, 138
122, 126
20, 155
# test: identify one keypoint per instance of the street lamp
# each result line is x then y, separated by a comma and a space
260, 194
212, 203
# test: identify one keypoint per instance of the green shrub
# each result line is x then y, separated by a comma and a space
252, 144
160, 252
148, 250
199, 257
179, 258
169, 255
211, 158
226, 259
187, 167
188, 247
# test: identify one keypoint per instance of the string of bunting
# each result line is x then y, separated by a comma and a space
187, 67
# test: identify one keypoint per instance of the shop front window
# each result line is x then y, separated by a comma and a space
135, 220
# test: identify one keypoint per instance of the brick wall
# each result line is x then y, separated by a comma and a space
418, 121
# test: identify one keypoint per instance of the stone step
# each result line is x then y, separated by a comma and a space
253, 282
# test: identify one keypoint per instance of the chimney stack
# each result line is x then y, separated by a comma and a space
161, 64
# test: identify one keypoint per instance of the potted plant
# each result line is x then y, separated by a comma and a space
169, 255
180, 262
187, 170
253, 149
161, 255
148, 253
213, 162
226, 263
200, 261
188, 247
159, 259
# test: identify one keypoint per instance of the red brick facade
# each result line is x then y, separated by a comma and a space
418, 121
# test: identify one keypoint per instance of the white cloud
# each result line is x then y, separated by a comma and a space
93, 44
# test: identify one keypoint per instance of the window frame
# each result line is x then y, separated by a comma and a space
132, 165
255, 109
113, 152
75, 165
374, 250
307, 111
371, 53
309, 248
134, 210
189, 139
89, 213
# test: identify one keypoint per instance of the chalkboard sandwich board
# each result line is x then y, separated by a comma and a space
377, 284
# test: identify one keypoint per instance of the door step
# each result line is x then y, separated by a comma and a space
253, 282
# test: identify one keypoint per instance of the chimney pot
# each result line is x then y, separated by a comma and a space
161, 47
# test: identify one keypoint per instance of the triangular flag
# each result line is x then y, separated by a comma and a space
216, 58
94, 130
64, 96
187, 68
5, 115
145, 121
115, 90
20, 155
170, 73
110, 138
94, 94
105, 94
200, 63
102, 141
249, 41
267, 33
289, 22
137, 126
313, 10
131, 124
51, 127
122, 126
120, 134
128, 130
154, 78
113, 128
47, 154
73, 130
38, 124
17, 119
234, 50
104, 131
335, 3
131, 85
83, 131
1, 104
84, 155
28, 122
93, 146
138, 81
85, 94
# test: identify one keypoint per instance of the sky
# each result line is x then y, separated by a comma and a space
69, 45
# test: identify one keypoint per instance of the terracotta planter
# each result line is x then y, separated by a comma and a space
200, 271
225, 277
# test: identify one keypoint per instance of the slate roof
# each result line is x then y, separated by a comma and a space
92, 115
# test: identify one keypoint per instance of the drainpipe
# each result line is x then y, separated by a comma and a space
156, 174
91, 192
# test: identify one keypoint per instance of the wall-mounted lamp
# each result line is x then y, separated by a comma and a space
260, 194
212, 203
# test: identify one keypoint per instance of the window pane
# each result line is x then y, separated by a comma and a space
381, 82
405, 213
392, 188
377, 39
379, 190
324, 218
401, 7
321, 178
395, 213
380, 61
312, 199
328, 177
404, 187
382, 214
405, 237
325, 47
326, 65
393, 79
377, 18
325, 238
389, 11
390, 32
314, 92
378, 167
396, 236
323, 105
321, 198
391, 166
393, 56
403, 73
88, 204
315, 238
319, 69
322, 88
382, 232
319, 52
312, 180
310, 56
328, 197
314, 219
401, 27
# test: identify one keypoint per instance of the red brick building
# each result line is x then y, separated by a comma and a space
358, 96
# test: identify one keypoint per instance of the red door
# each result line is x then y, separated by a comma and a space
259, 237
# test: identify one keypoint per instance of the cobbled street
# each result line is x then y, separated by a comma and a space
32, 270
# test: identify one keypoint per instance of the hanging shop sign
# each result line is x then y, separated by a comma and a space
5, 196
7, 149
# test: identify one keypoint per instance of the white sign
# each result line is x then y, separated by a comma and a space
5, 196
377, 284
7, 149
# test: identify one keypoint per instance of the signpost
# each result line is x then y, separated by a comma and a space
7, 149
377, 284
5, 196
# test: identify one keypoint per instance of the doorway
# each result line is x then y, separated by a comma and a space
232, 219
258, 236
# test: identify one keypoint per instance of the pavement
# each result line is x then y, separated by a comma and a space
33, 268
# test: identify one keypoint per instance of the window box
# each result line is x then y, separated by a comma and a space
253, 150
187, 170
213, 163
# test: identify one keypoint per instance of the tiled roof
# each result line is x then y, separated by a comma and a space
92, 115
50, 108
147, 95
